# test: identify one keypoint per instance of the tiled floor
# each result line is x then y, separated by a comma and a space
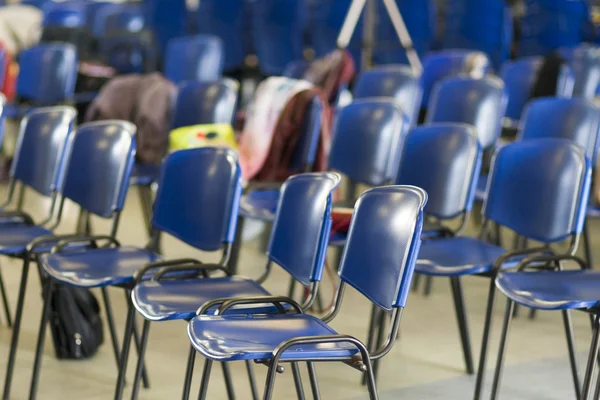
425, 364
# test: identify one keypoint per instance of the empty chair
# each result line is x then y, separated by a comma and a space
377, 261
397, 82
194, 58
585, 62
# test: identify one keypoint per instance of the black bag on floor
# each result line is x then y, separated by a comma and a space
75, 322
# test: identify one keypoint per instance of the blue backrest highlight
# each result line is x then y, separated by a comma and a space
205, 103
368, 136
40, 152
101, 158
398, 82
302, 225
71, 14
478, 102
47, 73
444, 160
575, 119
539, 188
585, 61
116, 19
379, 255
198, 58
198, 196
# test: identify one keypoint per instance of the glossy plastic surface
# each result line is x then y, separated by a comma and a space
118, 19
585, 61
539, 188
194, 58
478, 102
368, 137
378, 259
260, 204
14, 238
397, 82
519, 76
99, 167
198, 197
444, 160
68, 14
205, 103
47, 73
302, 225
41, 148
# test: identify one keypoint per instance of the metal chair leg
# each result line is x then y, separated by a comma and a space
597, 390
252, 380
461, 317
371, 335
503, 340
14, 341
270, 381
145, 194
416, 282
124, 356
587, 246
380, 338
568, 322
298, 381
428, 285
314, 383
5, 301
237, 246
136, 337
189, 372
141, 360
228, 383
205, 378
111, 323
41, 337
590, 369
484, 342
292, 288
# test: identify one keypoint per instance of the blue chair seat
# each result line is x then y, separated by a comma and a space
255, 337
480, 191
98, 267
144, 174
457, 256
170, 300
260, 204
15, 237
552, 290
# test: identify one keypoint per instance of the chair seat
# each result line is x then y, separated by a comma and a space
144, 174
14, 237
552, 290
255, 337
480, 191
179, 299
97, 267
456, 256
260, 204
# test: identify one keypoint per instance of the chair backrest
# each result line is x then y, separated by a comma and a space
368, 136
306, 147
478, 102
194, 58
575, 119
92, 10
383, 243
205, 103
442, 64
444, 160
47, 73
224, 19
40, 152
302, 225
585, 61
398, 82
167, 19
101, 158
67, 15
198, 197
118, 19
539, 189
278, 33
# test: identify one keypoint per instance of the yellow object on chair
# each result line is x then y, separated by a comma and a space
214, 135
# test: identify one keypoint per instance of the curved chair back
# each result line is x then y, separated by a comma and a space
92, 10
278, 32
306, 147
205, 103
47, 73
194, 58
101, 158
116, 19
65, 15
442, 64
385, 234
368, 136
444, 160
398, 82
302, 225
575, 119
539, 189
585, 61
41, 148
478, 102
198, 197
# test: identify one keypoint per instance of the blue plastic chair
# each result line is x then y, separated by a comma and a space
225, 20
397, 82
92, 10
71, 14
167, 19
278, 29
442, 64
303, 212
585, 62
47, 74
199, 58
101, 157
112, 19
378, 261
